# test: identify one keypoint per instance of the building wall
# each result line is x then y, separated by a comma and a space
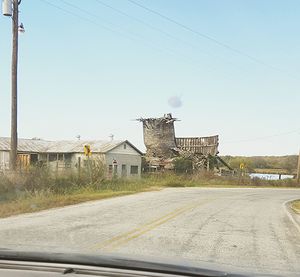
4, 160
128, 161
124, 148
124, 165
125, 156
97, 157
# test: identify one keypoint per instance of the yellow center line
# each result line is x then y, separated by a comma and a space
119, 240
108, 242
143, 231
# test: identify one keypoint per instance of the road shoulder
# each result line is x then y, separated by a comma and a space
292, 214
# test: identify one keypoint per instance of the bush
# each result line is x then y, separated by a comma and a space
183, 165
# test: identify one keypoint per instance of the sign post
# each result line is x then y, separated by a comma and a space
242, 168
298, 169
88, 153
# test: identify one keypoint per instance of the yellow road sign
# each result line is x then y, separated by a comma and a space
87, 150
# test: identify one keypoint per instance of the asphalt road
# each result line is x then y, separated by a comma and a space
248, 228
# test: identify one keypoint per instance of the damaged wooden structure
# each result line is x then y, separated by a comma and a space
163, 147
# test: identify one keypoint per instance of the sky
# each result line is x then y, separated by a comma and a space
91, 67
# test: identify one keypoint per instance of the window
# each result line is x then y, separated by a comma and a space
124, 170
110, 169
124, 146
33, 158
115, 169
134, 169
52, 157
68, 157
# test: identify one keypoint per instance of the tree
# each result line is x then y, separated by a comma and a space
183, 165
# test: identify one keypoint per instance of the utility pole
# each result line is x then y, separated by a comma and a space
11, 9
14, 87
298, 169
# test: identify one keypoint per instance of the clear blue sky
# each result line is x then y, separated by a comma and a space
92, 71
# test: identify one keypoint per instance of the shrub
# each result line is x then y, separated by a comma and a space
183, 165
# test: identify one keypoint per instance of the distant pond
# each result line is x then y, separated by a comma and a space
270, 176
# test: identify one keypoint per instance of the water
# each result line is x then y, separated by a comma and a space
270, 176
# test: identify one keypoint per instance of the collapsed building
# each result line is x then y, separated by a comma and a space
163, 147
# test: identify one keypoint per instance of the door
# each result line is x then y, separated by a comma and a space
124, 170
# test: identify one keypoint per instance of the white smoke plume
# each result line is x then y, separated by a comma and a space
175, 102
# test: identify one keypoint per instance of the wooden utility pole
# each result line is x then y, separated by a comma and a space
14, 87
298, 169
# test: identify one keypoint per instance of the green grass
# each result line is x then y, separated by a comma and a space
295, 205
39, 189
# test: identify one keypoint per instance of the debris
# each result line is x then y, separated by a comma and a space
163, 146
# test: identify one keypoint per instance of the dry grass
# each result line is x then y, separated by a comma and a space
296, 206
42, 202
38, 189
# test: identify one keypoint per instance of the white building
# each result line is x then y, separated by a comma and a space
119, 157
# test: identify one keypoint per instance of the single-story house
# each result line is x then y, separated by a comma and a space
120, 157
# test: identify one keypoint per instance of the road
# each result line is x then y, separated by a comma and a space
245, 227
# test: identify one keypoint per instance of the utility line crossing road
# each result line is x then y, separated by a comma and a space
245, 227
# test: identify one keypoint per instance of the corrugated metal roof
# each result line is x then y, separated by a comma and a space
24, 145
44, 146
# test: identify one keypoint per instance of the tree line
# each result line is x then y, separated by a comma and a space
287, 163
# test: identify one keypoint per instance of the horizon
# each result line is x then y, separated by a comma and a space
122, 140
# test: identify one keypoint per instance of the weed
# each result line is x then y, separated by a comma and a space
39, 188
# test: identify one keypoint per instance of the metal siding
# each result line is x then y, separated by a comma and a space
4, 160
128, 151
75, 156
107, 152
43, 146
127, 159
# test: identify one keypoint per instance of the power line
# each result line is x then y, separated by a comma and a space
167, 34
91, 14
67, 11
153, 46
222, 44
87, 19
137, 20
118, 11
80, 9
264, 137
